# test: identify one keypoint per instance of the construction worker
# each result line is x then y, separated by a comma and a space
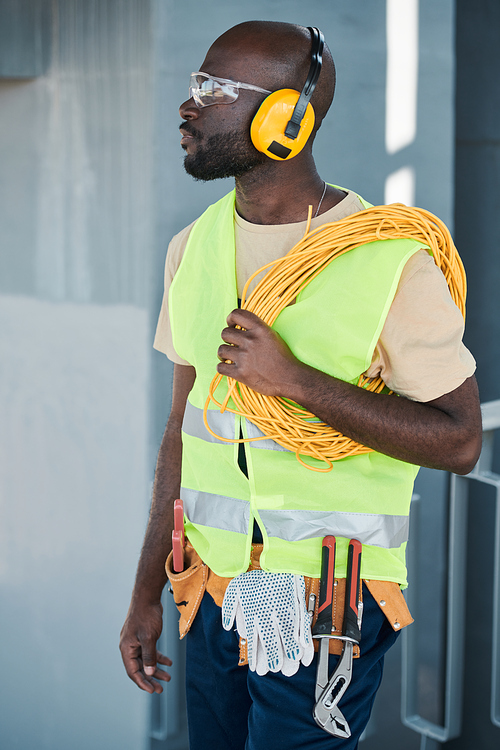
254, 516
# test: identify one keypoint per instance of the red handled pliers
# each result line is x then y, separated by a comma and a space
326, 712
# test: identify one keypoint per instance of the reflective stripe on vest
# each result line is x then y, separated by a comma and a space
230, 514
223, 425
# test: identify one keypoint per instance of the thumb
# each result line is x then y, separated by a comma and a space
149, 660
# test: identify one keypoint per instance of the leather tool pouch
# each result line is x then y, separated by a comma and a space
188, 587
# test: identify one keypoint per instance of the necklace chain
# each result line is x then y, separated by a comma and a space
320, 201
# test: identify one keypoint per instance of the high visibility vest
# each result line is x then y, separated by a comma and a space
333, 326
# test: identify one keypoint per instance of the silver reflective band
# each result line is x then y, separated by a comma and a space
216, 511
224, 425
376, 529
229, 514
269, 444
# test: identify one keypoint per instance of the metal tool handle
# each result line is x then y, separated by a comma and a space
323, 625
350, 628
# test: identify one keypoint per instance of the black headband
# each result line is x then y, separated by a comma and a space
318, 42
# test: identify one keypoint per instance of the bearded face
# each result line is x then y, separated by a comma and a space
220, 155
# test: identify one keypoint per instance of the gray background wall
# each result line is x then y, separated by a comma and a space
76, 240
91, 190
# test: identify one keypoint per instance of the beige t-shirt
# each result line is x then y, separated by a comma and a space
420, 353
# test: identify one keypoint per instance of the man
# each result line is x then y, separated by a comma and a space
229, 493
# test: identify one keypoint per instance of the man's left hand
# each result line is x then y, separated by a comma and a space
441, 434
258, 356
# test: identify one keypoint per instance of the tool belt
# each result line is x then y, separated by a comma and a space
189, 587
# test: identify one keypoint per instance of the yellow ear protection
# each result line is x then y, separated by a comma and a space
285, 119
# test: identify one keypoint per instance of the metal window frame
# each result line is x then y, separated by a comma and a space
433, 733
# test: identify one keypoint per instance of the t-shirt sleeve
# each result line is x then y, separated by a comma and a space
420, 353
163, 337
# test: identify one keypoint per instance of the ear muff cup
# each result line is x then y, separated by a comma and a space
267, 130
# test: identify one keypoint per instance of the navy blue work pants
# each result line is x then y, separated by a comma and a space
232, 708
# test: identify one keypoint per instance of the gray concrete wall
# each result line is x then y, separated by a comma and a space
76, 238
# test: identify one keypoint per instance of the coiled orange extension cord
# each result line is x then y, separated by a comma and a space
281, 420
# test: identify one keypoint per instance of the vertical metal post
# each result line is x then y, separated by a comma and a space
454, 630
483, 473
495, 667
426, 743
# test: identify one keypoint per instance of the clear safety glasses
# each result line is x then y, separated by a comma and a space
207, 90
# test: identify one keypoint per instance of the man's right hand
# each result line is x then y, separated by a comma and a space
143, 625
138, 641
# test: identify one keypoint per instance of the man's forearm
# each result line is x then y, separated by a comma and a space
428, 434
151, 576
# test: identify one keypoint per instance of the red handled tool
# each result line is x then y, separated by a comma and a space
329, 692
178, 538
323, 626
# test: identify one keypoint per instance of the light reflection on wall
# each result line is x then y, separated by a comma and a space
401, 93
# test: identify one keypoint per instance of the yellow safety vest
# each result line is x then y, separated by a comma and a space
334, 326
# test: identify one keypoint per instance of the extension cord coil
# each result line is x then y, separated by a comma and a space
290, 425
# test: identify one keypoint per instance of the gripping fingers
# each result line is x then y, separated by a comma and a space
225, 353
233, 336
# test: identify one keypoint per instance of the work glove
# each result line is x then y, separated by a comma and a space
271, 615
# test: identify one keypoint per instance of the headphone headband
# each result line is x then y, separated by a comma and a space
318, 42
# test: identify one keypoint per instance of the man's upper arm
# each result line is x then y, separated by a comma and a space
163, 336
184, 377
420, 353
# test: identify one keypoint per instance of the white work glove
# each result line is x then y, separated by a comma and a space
271, 614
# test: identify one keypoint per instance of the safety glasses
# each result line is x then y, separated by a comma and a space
207, 90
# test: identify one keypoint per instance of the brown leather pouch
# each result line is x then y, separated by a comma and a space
188, 587
391, 601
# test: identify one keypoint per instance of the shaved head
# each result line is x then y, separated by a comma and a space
278, 55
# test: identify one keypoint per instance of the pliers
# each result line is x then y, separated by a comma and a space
328, 693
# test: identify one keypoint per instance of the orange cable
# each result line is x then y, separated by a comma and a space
278, 418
